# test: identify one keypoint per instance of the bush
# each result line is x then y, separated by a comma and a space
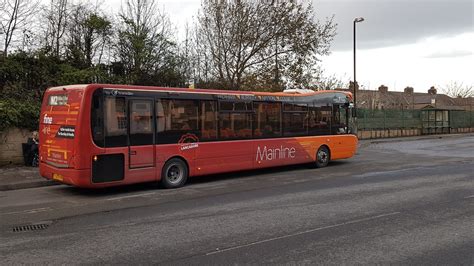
20, 114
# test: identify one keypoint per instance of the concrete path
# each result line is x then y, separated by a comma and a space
20, 177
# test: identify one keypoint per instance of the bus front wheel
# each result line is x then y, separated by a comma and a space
174, 173
322, 157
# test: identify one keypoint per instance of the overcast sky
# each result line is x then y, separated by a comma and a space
418, 43
403, 43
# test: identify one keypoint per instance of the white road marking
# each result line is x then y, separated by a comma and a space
469, 197
303, 232
29, 211
132, 196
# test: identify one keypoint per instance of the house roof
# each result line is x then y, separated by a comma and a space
383, 98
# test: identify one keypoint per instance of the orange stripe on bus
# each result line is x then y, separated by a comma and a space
62, 112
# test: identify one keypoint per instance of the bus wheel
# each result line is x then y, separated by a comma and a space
322, 157
174, 173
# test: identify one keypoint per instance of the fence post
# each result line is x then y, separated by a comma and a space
470, 114
403, 122
365, 119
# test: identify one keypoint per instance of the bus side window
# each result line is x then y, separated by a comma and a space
208, 120
326, 113
235, 120
339, 119
97, 118
161, 121
319, 120
115, 122
176, 119
295, 119
235, 125
267, 120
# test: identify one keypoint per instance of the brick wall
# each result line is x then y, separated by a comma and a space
10, 145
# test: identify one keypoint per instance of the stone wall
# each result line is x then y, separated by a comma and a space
10, 145
395, 133
462, 130
388, 133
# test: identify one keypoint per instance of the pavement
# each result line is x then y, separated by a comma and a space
22, 177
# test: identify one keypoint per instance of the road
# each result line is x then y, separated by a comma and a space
405, 201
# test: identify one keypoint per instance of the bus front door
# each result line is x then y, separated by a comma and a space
141, 137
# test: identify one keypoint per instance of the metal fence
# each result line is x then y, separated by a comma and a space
369, 119
461, 119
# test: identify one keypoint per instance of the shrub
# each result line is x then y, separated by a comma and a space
18, 113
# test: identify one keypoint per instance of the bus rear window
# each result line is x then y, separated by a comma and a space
56, 100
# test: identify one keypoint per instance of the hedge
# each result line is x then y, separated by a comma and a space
20, 114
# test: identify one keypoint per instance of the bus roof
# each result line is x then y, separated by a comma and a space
205, 91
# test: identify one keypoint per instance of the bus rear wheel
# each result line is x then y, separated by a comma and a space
174, 174
322, 157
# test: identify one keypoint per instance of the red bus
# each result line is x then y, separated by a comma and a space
105, 135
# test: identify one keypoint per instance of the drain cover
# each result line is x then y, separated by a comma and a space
31, 227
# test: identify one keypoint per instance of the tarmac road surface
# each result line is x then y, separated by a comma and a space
404, 201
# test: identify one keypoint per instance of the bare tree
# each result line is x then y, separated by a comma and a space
87, 35
326, 81
15, 15
256, 41
144, 40
57, 18
458, 89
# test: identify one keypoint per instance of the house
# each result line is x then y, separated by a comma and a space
408, 99
431, 112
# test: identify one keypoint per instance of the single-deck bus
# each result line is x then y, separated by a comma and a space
103, 135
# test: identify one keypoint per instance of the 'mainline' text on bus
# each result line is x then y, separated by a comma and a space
275, 153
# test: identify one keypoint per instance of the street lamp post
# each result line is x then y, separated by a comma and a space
356, 20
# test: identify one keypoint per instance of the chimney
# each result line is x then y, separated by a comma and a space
351, 86
409, 90
432, 91
383, 89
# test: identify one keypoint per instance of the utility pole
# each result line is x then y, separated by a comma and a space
354, 113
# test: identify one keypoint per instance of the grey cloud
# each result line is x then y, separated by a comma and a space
449, 54
395, 22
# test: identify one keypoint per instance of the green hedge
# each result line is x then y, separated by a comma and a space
20, 114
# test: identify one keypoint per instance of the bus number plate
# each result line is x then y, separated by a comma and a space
58, 177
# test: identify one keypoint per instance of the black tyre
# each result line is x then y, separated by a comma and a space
174, 174
322, 157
